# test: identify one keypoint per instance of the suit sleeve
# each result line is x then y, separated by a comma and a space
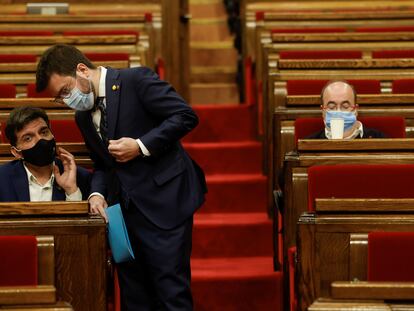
162, 101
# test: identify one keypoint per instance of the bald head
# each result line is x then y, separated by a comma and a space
338, 95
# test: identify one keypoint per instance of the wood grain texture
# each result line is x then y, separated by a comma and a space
372, 290
382, 205
385, 144
43, 208
15, 295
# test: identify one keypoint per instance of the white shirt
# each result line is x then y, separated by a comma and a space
96, 115
358, 131
39, 192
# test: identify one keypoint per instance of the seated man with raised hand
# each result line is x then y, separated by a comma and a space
41, 172
339, 103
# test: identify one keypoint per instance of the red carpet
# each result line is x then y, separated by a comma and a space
232, 261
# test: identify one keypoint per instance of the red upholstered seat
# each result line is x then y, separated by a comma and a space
314, 87
309, 30
31, 91
66, 131
100, 32
360, 181
18, 58
393, 54
107, 56
392, 127
26, 33
385, 29
7, 90
320, 54
391, 256
403, 86
18, 260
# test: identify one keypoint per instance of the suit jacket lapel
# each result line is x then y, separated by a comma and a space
113, 91
20, 183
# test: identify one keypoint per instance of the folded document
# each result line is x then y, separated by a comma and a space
118, 235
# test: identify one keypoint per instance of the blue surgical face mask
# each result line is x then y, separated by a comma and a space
348, 116
79, 100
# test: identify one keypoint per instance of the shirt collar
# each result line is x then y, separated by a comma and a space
33, 180
102, 79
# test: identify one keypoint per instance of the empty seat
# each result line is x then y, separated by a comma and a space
391, 256
66, 131
31, 91
403, 86
320, 54
7, 90
360, 181
314, 87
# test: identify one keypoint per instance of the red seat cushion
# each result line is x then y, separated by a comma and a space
392, 127
391, 256
393, 54
18, 260
314, 87
107, 56
319, 54
7, 90
309, 30
403, 86
18, 58
66, 131
385, 29
359, 181
31, 91
26, 33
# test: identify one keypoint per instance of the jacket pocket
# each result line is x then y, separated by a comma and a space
175, 169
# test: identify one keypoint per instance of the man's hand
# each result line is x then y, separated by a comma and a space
97, 205
66, 180
124, 149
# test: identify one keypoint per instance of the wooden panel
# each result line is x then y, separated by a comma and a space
323, 304
364, 205
46, 260
80, 255
358, 256
373, 290
15, 295
356, 144
43, 208
59, 306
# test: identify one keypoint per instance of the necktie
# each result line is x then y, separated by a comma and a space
103, 126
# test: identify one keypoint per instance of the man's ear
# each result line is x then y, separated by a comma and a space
16, 153
82, 68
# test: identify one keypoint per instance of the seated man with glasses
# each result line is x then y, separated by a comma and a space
339, 102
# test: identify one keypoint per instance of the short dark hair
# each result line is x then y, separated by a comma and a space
20, 117
335, 81
61, 59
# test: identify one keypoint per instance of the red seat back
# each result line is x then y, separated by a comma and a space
391, 256
359, 181
309, 30
31, 91
18, 260
320, 54
107, 56
314, 87
393, 54
403, 86
66, 131
18, 58
392, 127
7, 90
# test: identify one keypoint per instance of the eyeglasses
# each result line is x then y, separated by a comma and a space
64, 93
345, 106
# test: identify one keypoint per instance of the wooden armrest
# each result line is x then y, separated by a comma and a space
364, 205
14, 295
46, 259
44, 208
372, 290
356, 144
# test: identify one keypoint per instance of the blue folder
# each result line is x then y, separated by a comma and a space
118, 235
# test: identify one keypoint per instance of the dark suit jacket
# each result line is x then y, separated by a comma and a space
14, 185
368, 133
167, 187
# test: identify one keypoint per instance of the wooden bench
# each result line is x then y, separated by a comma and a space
80, 250
333, 233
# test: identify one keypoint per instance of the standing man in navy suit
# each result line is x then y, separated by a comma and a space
132, 123
39, 173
